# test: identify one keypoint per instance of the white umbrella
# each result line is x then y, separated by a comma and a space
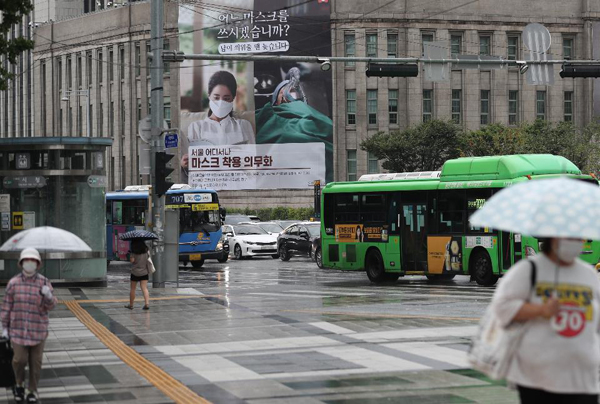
45, 239
559, 207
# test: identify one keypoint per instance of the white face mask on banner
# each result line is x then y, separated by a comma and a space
29, 268
221, 108
568, 250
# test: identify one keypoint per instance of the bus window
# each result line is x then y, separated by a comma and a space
329, 213
373, 208
476, 198
109, 213
117, 212
452, 212
134, 212
346, 208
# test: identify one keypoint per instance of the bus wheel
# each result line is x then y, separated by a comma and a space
197, 264
223, 258
375, 268
237, 252
482, 270
440, 278
319, 258
284, 254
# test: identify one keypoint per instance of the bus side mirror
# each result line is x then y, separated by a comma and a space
222, 213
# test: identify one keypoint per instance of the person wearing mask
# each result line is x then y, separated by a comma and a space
27, 301
139, 273
220, 127
558, 357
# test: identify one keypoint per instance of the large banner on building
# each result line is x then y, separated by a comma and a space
269, 122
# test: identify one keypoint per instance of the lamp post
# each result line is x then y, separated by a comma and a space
66, 97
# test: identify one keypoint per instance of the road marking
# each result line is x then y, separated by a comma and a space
417, 333
432, 351
378, 315
336, 329
163, 381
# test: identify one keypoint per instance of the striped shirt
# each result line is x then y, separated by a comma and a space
25, 311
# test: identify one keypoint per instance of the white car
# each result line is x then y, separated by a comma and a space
249, 240
270, 227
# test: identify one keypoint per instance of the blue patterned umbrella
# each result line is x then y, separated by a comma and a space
559, 207
138, 235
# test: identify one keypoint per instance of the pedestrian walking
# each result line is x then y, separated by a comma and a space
27, 301
140, 272
558, 356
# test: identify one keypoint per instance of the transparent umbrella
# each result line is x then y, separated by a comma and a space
558, 207
45, 239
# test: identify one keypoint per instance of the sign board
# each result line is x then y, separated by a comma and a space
197, 198
317, 199
28, 220
22, 182
5, 203
5, 221
23, 161
171, 140
97, 181
17, 220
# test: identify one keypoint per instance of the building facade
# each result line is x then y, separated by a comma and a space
472, 98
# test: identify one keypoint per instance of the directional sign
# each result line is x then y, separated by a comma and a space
436, 72
24, 182
171, 140
97, 181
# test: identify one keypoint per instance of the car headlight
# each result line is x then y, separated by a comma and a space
250, 243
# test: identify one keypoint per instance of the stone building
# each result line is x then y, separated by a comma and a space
472, 98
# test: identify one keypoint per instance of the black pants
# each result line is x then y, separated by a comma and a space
535, 396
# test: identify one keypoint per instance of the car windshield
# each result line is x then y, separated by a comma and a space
271, 227
314, 230
233, 219
246, 230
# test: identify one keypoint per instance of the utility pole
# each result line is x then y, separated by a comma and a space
156, 99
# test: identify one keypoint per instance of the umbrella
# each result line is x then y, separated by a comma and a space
559, 207
138, 235
45, 239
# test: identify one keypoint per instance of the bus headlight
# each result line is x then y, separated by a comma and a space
530, 252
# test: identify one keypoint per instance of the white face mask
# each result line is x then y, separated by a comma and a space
29, 268
568, 250
221, 108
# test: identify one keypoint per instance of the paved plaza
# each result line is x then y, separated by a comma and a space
263, 331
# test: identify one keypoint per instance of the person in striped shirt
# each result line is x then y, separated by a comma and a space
27, 301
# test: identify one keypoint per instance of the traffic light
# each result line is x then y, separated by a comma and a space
162, 169
392, 70
579, 70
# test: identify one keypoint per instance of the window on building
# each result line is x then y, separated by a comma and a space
167, 109
166, 65
455, 45
122, 118
91, 128
69, 73
485, 107
372, 107
59, 72
80, 121
70, 120
122, 62
89, 68
138, 60
425, 37
351, 107
513, 47
100, 67
392, 45
111, 119
149, 105
568, 105
101, 120
111, 65
60, 122
372, 164
393, 106
427, 105
79, 72
139, 110
513, 107
351, 165
349, 47
540, 110
485, 43
456, 105
371, 45
148, 59
567, 48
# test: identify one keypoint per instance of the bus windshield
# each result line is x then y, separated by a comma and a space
193, 221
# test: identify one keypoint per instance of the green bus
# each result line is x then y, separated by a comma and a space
391, 225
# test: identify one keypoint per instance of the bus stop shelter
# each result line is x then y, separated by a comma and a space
59, 182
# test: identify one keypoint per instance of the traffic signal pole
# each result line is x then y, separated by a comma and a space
156, 99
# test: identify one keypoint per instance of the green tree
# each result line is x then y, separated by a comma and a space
11, 13
424, 147
493, 140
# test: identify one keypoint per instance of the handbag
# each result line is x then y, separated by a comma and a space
150, 265
7, 375
494, 347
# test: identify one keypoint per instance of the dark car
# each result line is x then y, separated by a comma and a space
297, 239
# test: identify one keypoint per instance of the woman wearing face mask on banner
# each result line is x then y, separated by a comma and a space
220, 127
558, 357
27, 301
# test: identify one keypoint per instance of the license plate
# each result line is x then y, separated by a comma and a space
195, 257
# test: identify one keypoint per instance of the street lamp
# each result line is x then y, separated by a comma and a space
66, 97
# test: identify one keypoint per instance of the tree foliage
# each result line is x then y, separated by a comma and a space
424, 147
427, 146
11, 13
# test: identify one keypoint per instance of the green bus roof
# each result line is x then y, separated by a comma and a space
472, 172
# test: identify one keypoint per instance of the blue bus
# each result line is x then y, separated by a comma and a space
200, 220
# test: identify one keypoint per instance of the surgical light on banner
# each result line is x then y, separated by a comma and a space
389, 70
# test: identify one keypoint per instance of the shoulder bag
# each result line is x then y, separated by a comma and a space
150, 265
494, 346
